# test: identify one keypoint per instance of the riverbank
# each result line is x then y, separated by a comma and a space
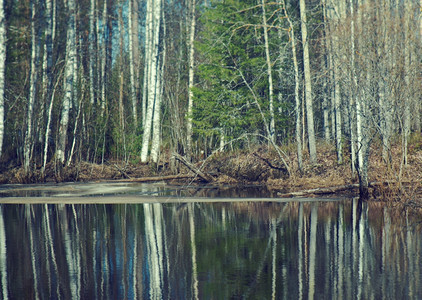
392, 182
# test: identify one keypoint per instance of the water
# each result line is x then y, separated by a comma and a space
205, 250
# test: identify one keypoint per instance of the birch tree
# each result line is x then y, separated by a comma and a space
91, 51
191, 76
2, 73
28, 145
298, 123
68, 82
308, 84
131, 33
269, 74
49, 95
152, 84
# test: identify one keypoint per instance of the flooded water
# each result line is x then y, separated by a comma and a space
238, 249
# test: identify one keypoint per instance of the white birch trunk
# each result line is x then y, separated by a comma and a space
91, 51
121, 84
297, 86
353, 90
407, 67
269, 74
132, 66
32, 91
153, 89
325, 46
48, 94
147, 60
68, 83
325, 104
2, 71
191, 77
337, 90
156, 130
104, 57
308, 84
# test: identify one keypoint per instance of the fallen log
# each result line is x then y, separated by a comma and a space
320, 191
204, 176
155, 178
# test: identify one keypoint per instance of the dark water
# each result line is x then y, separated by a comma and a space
237, 250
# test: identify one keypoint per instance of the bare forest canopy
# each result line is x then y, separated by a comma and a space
136, 81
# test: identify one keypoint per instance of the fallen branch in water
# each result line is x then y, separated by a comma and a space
155, 178
320, 191
337, 189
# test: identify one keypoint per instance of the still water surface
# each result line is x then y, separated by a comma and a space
197, 250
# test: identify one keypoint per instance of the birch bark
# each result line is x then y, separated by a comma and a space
407, 67
269, 74
91, 51
132, 65
147, 60
68, 82
2, 74
49, 95
32, 89
308, 84
297, 86
156, 128
104, 57
191, 77
153, 88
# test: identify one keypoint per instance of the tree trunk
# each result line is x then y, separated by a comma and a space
297, 86
269, 73
132, 66
191, 78
353, 91
154, 86
48, 94
308, 84
32, 90
91, 52
121, 85
147, 61
2, 71
68, 83
407, 67
104, 57
156, 129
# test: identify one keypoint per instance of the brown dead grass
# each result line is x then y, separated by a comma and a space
394, 183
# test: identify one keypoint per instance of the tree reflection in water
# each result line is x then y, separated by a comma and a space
210, 250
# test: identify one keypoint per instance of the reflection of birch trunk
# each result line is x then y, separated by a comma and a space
73, 257
340, 249
327, 232
50, 245
355, 206
300, 249
195, 291
410, 259
273, 230
360, 258
28, 217
385, 248
312, 251
3, 258
153, 236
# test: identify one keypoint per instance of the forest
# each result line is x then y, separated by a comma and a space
168, 83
